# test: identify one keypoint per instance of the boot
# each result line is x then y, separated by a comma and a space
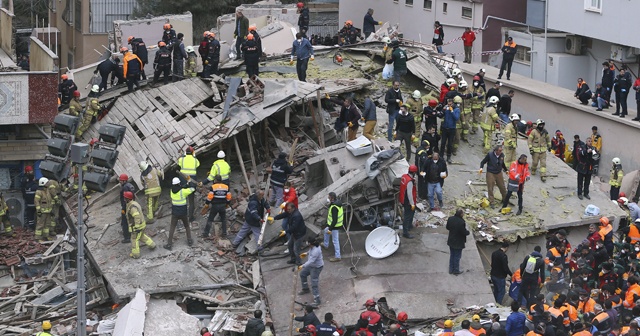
519, 212
168, 247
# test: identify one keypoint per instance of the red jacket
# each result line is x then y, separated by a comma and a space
405, 181
291, 196
443, 92
468, 37
521, 171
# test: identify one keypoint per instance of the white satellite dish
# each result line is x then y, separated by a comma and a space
382, 242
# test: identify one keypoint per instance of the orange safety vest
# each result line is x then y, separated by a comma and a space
446, 333
533, 333
477, 331
629, 301
582, 333
587, 307
617, 304
515, 277
605, 231
555, 312
602, 317
573, 312
634, 233
565, 317
624, 330
532, 311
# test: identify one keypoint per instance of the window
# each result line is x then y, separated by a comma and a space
467, 12
593, 5
428, 4
444, 7
66, 14
409, 3
78, 15
523, 54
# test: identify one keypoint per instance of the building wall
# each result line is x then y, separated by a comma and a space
41, 58
6, 31
609, 25
150, 30
514, 10
535, 13
28, 97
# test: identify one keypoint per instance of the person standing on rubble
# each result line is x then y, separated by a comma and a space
615, 178
253, 30
495, 167
399, 60
137, 225
335, 221
499, 271
312, 268
29, 187
433, 138
74, 105
151, 178
139, 48
212, 57
162, 63
518, 174
303, 51
349, 115
56, 199
204, 46
125, 186
438, 36
219, 167
369, 25
405, 127
91, 112
106, 68
393, 98
457, 239
539, 144
296, 229
416, 110
240, 33
168, 34
131, 67
218, 198
408, 198
251, 56
179, 209
422, 155
4, 218
488, 121
253, 219
280, 170
191, 68
179, 55
583, 158
44, 205
303, 19
370, 118
46, 329
65, 89
188, 165
434, 171
451, 114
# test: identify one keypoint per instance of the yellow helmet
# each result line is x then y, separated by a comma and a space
448, 324
46, 325
476, 318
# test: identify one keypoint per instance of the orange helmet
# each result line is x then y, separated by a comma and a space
64, 77
76, 93
250, 37
253, 27
300, 5
162, 44
130, 38
402, 317
166, 26
348, 23
206, 33
604, 221
212, 34
124, 50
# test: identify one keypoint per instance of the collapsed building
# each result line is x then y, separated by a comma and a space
252, 121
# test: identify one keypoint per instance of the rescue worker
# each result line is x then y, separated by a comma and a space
422, 155
251, 55
179, 209
4, 217
348, 34
303, 51
586, 305
335, 220
65, 89
602, 321
29, 187
402, 323
135, 220
430, 116
212, 57
633, 291
488, 122
399, 61
518, 174
179, 55
408, 198
476, 327
457, 102
387, 50
290, 196
188, 165
240, 33
511, 139
596, 142
44, 206
162, 63
405, 127
539, 143
218, 199
465, 110
253, 30
254, 217
606, 234
508, 54
74, 105
125, 186
615, 178
92, 111
448, 328
583, 158
416, 110
106, 68
370, 118
303, 19
56, 200
204, 46
191, 69
451, 115
139, 48
477, 103
151, 178
280, 170
168, 34
46, 329
444, 89
495, 167
131, 67
558, 145
369, 25
219, 167
373, 317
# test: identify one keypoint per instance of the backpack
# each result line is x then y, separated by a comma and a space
531, 265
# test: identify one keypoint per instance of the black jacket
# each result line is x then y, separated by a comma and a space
369, 24
251, 52
308, 319
500, 264
602, 93
126, 187
584, 88
405, 123
280, 170
505, 104
433, 141
213, 51
622, 82
163, 58
493, 92
457, 232
538, 271
607, 77
255, 210
303, 19
438, 41
583, 158
255, 327
430, 116
494, 163
140, 49
390, 98
107, 67
295, 224
433, 173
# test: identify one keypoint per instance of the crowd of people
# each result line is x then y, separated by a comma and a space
612, 89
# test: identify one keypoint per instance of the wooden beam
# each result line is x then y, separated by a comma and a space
244, 170
253, 157
321, 134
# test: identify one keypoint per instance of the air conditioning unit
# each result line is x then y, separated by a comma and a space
15, 202
573, 45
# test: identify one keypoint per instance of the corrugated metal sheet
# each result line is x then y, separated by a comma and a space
104, 12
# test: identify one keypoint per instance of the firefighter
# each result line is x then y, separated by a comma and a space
303, 19
212, 57
74, 105
372, 316
106, 68
168, 34
218, 199
139, 48
179, 195
457, 103
511, 139
136, 222
65, 89
92, 111
467, 97
55, 191
131, 68
188, 165
251, 55
558, 145
477, 103
4, 217
253, 30
29, 187
44, 205
125, 187
488, 122
204, 46
539, 144
219, 167
162, 63
417, 107
151, 178
191, 68
615, 178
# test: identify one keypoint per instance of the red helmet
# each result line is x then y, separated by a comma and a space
124, 177
311, 328
128, 195
300, 4
162, 44
604, 221
413, 169
476, 78
28, 169
433, 102
76, 93
93, 142
622, 194
189, 150
370, 303
402, 317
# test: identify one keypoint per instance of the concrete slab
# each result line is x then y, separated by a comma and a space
166, 318
130, 320
415, 279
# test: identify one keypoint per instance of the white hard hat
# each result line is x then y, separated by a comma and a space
638, 220
482, 70
335, 333
450, 81
494, 100
95, 88
514, 117
43, 181
143, 165
221, 155
540, 121
616, 160
386, 39
463, 84
456, 72
624, 200
175, 181
416, 94
189, 49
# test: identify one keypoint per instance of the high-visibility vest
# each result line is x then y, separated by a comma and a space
340, 218
587, 307
616, 180
487, 123
533, 333
152, 183
42, 201
180, 198
634, 233
604, 231
532, 311
573, 312
219, 167
3, 206
511, 136
582, 333
219, 194
477, 331
188, 164
629, 300
555, 313
603, 323
446, 333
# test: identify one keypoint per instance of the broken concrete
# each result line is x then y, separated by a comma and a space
166, 318
131, 319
